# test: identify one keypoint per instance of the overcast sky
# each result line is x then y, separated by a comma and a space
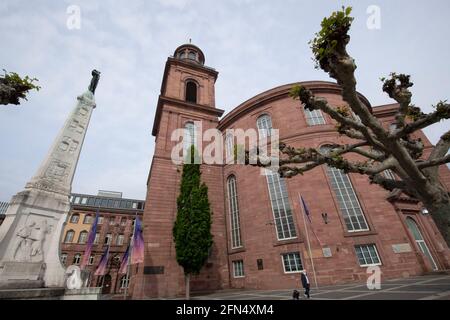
254, 44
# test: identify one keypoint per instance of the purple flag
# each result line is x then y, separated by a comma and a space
90, 242
306, 210
137, 253
124, 262
101, 269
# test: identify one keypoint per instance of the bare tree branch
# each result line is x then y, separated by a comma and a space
442, 112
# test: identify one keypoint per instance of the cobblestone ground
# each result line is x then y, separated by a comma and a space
436, 287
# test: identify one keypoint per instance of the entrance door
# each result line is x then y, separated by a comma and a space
107, 285
412, 225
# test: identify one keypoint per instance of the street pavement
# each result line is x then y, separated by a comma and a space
434, 287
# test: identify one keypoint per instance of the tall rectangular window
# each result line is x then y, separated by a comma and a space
238, 269
190, 136
347, 200
367, 255
292, 262
229, 147
119, 240
314, 118
97, 238
282, 213
389, 174
234, 213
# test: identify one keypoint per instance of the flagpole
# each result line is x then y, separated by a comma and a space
309, 244
130, 252
97, 214
107, 257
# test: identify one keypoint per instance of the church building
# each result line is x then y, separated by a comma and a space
257, 223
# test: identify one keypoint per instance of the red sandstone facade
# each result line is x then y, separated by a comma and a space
261, 252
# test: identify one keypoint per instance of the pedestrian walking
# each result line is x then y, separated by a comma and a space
305, 283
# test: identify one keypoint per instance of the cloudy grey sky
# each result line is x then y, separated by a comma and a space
254, 44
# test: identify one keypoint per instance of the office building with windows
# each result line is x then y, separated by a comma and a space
114, 229
258, 227
3, 207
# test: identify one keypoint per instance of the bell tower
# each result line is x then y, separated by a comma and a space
187, 97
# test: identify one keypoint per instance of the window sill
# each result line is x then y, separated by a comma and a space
360, 233
371, 265
288, 241
237, 250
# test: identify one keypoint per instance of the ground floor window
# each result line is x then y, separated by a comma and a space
63, 258
77, 258
238, 269
124, 282
292, 262
367, 255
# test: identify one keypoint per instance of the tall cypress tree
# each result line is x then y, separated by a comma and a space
192, 228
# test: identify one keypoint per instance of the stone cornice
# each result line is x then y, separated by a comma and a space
278, 93
188, 105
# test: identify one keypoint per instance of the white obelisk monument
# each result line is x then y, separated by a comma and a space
30, 235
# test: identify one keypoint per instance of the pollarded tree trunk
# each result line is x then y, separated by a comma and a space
440, 212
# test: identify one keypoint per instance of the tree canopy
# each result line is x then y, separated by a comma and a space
13, 87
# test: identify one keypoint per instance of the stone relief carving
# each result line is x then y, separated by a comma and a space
68, 144
83, 111
74, 280
31, 237
57, 170
76, 126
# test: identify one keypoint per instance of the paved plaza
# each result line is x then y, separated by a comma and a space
435, 287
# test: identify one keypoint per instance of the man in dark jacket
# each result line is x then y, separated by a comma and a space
305, 283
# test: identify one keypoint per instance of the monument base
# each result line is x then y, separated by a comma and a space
32, 294
82, 294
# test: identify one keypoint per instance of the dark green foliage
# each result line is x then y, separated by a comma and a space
13, 87
192, 228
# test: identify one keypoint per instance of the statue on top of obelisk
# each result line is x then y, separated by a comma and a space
31, 232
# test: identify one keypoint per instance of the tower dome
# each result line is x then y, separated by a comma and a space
190, 53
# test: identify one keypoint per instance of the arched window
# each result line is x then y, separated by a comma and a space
91, 260
191, 92
75, 218
83, 237
229, 145
420, 241
69, 236
87, 219
192, 55
314, 118
189, 136
234, 213
77, 258
124, 282
346, 196
264, 124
